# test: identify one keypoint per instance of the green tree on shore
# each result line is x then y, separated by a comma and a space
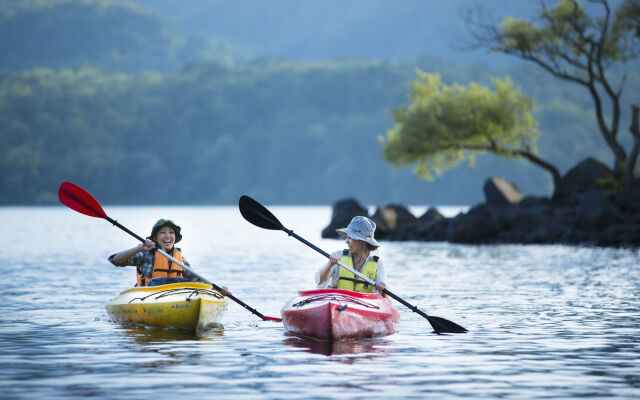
583, 49
444, 125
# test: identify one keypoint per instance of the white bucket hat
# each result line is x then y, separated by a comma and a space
360, 228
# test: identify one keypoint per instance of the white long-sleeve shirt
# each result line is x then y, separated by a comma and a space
332, 278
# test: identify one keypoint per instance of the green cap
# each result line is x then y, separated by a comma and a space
166, 222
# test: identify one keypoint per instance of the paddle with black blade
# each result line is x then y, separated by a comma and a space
78, 199
258, 215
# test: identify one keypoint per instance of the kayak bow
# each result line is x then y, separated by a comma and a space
336, 314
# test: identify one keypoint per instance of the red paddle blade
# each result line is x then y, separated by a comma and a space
265, 318
76, 198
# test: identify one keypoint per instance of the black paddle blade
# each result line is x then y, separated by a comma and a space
257, 214
441, 325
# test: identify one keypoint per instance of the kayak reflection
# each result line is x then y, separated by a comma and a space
148, 335
363, 346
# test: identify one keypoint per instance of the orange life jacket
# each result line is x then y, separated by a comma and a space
163, 267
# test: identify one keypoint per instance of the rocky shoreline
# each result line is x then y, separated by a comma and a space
581, 213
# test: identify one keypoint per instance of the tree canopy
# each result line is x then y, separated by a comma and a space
583, 48
444, 125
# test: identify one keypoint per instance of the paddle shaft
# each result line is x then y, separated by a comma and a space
202, 278
413, 308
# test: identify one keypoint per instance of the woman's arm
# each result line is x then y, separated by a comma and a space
323, 275
381, 277
122, 257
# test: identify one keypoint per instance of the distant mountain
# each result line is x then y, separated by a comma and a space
107, 35
164, 35
80, 33
331, 29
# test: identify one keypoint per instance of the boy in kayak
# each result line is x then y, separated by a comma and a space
151, 264
361, 243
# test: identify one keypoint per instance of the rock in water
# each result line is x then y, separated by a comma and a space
499, 192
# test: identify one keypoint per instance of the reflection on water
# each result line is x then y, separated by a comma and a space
366, 348
146, 335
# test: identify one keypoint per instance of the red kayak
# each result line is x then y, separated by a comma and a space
336, 314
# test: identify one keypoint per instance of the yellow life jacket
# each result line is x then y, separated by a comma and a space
163, 267
349, 281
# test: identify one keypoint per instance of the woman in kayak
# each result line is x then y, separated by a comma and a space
361, 243
151, 264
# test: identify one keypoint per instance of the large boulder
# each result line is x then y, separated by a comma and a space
545, 229
583, 177
422, 228
343, 211
432, 214
595, 211
628, 199
434, 230
480, 225
542, 205
391, 217
500, 192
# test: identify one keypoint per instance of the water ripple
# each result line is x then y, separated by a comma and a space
544, 321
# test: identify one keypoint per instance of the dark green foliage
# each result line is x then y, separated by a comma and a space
76, 33
284, 132
209, 132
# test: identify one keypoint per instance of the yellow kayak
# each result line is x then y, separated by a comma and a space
187, 305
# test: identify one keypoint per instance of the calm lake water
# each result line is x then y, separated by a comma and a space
544, 321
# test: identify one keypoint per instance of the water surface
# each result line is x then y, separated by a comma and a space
544, 321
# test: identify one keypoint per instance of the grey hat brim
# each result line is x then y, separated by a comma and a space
357, 236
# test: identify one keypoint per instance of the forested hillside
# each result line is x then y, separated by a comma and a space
140, 112
329, 29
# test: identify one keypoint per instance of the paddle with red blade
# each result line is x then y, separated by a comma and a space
258, 215
78, 199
